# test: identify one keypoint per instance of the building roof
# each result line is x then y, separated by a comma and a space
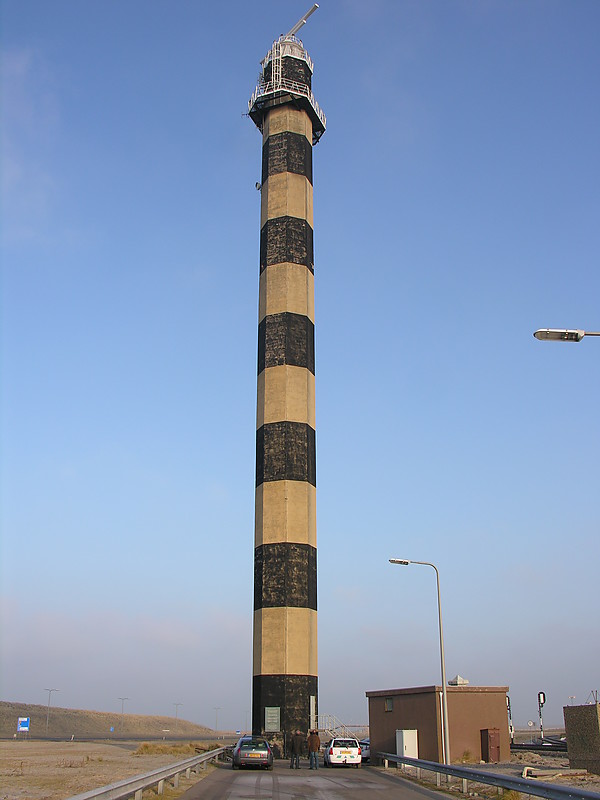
430, 689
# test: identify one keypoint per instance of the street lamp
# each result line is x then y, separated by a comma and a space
562, 335
48, 712
446, 733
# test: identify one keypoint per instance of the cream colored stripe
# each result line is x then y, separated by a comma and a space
285, 641
285, 393
286, 118
287, 287
285, 511
286, 194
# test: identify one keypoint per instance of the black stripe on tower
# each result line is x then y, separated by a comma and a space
286, 239
285, 576
293, 69
286, 451
291, 693
286, 338
287, 152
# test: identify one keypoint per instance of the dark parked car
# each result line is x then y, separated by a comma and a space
252, 751
365, 749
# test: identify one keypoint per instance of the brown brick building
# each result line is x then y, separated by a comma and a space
477, 719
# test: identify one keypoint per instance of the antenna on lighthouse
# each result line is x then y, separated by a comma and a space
301, 22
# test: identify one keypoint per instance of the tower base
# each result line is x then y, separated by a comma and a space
295, 698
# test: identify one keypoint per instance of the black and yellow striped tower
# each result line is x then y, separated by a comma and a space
285, 678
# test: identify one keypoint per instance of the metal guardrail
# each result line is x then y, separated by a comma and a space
466, 774
133, 787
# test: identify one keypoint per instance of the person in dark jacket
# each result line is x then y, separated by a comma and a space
296, 748
314, 745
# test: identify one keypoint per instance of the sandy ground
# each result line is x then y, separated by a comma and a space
554, 768
57, 770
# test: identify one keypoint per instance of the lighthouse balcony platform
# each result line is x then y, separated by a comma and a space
271, 94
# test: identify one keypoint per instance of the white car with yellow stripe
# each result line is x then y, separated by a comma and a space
342, 751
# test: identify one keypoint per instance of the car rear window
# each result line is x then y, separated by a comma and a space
253, 745
345, 743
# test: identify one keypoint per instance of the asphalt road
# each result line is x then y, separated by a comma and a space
283, 783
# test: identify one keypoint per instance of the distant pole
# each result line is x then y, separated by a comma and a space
48, 711
122, 699
217, 709
176, 710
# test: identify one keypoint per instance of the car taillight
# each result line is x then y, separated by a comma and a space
331, 751
359, 751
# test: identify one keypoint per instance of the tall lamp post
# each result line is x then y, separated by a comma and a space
445, 733
48, 711
562, 334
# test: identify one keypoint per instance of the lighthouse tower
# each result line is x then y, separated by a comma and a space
285, 677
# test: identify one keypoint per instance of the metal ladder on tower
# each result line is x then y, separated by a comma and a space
276, 66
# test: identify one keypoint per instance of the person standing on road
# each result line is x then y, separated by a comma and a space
297, 745
314, 745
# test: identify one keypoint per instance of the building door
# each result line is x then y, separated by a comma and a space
490, 745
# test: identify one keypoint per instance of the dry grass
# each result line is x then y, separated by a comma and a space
182, 749
57, 770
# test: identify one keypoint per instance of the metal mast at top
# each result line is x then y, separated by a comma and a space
301, 22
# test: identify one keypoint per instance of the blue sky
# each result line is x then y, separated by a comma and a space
457, 208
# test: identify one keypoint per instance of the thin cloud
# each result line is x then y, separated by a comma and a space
31, 124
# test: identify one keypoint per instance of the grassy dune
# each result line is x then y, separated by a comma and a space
67, 722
